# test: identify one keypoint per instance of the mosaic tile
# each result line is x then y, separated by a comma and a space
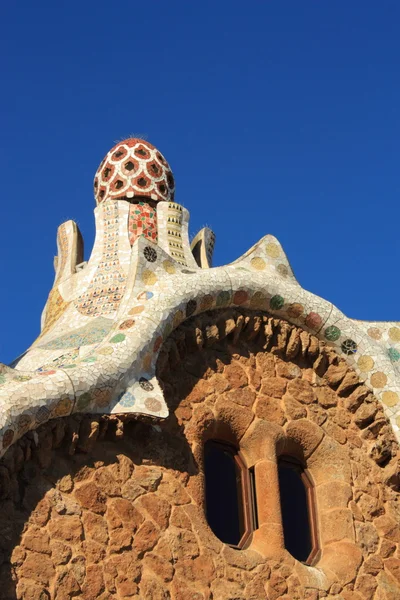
105, 322
93, 332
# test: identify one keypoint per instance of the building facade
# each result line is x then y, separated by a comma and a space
184, 432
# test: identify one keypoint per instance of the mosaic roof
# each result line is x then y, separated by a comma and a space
105, 321
134, 168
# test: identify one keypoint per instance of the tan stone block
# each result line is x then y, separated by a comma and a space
266, 364
260, 441
66, 585
276, 586
329, 462
370, 507
388, 528
387, 588
201, 423
349, 382
95, 527
235, 375
267, 486
200, 568
122, 566
367, 537
148, 478
243, 396
305, 434
349, 595
287, 369
232, 421
311, 375
336, 373
159, 565
218, 383
302, 391
120, 539
373, 565
179, 518
356, 397
37, 540
183, 544
94, 552
17, 556
293, 409
65, 484
91, 497
26, 590
366, 586
336, 525
316, 414
365, 414
94, 582
326, 397
41, 513
343, 559
181, 591
320, 579
60, 552
255, 589
126, 589
335, 494
37, 567
174, 491
254, 376
183, 414
132, 490
122, 513
387, 548
157, 508
353, 439
269, 408
392, 566
335, 432
66, 528
225, 590
146, 537
274, 386
106, 481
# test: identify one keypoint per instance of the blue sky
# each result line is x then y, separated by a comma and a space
277, 117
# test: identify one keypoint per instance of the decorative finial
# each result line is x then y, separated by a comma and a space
134, 168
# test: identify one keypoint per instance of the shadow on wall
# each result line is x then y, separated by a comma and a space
62, 482
70, 450
41, 466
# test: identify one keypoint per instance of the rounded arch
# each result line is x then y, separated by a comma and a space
237, 373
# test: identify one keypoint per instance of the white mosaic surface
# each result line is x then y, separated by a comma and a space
105, 362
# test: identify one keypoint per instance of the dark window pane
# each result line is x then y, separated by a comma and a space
295, 515
224, 503
196, 253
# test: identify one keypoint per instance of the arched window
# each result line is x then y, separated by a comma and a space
298, 510
228, 493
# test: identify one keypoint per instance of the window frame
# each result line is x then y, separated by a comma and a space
251, 500
297, 465
247, 489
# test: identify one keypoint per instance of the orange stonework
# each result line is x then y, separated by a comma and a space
111, 508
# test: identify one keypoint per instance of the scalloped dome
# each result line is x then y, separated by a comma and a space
132, 168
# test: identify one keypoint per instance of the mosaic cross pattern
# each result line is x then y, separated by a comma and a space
105, 321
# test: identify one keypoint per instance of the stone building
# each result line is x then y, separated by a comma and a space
185, 432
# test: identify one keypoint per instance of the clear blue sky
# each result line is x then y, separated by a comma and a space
276, 116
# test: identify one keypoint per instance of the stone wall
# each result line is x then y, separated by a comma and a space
102, 508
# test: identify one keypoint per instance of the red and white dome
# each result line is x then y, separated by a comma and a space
132, 168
